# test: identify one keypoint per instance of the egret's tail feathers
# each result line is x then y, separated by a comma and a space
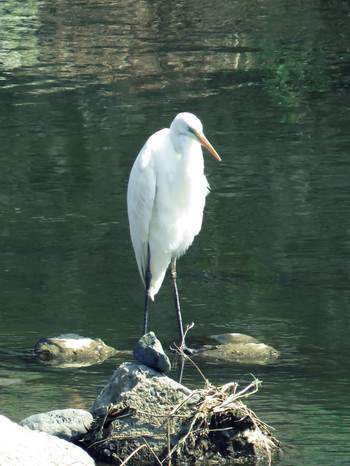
156, 283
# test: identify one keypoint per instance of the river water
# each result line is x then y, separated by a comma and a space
83, 84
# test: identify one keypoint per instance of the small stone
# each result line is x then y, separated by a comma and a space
149, 351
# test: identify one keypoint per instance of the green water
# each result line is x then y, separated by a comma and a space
82, 85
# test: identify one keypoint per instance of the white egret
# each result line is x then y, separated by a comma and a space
166, 197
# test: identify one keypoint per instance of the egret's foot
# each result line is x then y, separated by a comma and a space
193, 351
183, 349
188, 351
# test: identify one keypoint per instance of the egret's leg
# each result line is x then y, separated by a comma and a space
183, 346
177, 302
148, 277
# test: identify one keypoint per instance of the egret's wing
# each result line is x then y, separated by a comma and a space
140, 199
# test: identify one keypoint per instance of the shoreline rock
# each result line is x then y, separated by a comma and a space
22, 446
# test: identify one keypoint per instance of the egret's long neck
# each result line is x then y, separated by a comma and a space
187, 174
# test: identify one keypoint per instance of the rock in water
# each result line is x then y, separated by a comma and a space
149, 351
244, 349
72, 350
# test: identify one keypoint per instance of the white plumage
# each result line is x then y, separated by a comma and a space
166, 196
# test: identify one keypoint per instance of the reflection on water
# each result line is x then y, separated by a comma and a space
82, 86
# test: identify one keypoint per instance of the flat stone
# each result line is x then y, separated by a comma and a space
149, 351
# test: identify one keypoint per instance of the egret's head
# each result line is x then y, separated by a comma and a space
188, 125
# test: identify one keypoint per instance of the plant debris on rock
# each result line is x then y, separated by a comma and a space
143, 417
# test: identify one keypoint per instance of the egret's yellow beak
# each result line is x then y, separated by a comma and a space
204, 141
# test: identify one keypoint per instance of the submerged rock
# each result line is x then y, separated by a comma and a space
72, 350
149, 351
68, 424
22, 446
146, 417
237, 347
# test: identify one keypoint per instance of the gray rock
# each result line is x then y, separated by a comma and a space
72, 350
22, 446
140, 398
69, 424
139, 385
149, 351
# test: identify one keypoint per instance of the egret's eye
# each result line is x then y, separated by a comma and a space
191, 130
